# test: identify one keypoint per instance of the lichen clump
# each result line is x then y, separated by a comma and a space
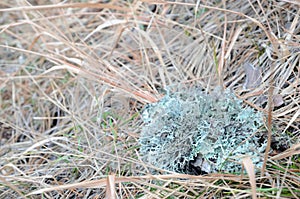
191, 132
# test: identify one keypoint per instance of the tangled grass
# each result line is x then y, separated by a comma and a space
74, 77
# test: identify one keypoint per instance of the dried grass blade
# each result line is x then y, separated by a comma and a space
106, 24
250, 170
10, 185
294, 150
110, 187
103, 182
70, 5
234, 39
295, 116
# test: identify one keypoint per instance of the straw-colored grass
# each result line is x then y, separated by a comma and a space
74, 77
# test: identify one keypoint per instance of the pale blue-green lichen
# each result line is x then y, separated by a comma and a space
191, 132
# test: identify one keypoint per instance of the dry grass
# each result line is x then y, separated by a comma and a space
74, 76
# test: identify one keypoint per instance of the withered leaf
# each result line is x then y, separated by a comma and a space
253, 76
277, 100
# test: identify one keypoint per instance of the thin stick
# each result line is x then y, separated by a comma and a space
269, 121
